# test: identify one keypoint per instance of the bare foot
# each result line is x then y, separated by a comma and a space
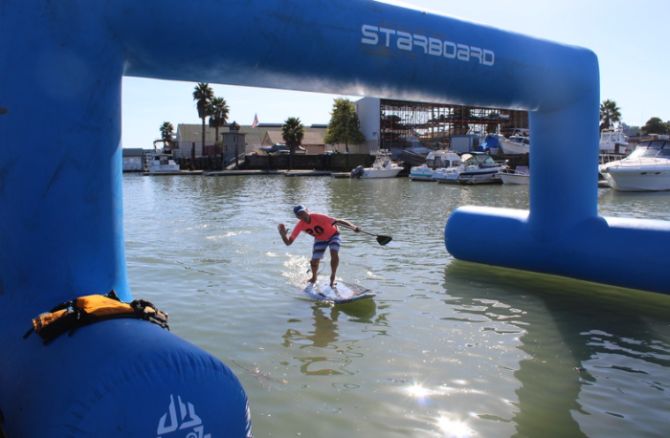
312, 280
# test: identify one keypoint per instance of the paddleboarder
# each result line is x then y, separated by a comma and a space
326, 235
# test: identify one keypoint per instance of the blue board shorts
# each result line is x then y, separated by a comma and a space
320, 246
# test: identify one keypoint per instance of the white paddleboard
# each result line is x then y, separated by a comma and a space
339, 294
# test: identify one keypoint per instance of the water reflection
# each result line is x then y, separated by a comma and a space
643, 205
327, 354
586, 346
454, 428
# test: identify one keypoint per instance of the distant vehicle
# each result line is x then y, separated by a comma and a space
279, 148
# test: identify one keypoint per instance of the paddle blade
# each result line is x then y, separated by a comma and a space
383, 240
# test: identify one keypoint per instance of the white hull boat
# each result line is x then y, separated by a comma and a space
161, 164
381, 173
448, 175
477, 168
646, 169
641, 179
515, 145
518, 176
515, 178
382, 167
613, 141
436, 164
480, 177
421, 173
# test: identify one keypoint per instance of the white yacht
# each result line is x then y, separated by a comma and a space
435, 161
477, 168
613, 141
515, 144
158, 164
382, 167
518, 176
646, 169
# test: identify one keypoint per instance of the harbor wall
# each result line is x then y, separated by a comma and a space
329, 162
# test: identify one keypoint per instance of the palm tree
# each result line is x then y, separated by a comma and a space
292, 132
167, 131
609, 114
203, 95
218, 115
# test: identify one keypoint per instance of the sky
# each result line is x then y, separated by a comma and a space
629, 38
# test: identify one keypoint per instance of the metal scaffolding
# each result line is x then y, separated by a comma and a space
405, 124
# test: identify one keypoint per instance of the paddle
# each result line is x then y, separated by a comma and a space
382, 240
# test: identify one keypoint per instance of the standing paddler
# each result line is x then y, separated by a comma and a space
326, 235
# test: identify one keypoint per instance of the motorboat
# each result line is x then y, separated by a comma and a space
646, 169
158, 164
613, 141
492, 143
453, 161
516, 144
436, 160
476, 168
383, 167
517, 176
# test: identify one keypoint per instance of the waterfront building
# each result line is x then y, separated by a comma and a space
396, 124
312, 141
189, 139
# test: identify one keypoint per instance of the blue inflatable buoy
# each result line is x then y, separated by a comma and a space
61, 228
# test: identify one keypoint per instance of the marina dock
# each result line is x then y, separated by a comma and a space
175, 173
244, 172
296, 173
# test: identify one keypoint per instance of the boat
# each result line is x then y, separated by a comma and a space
161, 164
646, 169
517, 143
413, 156
518, 176
436, 160
452, 161
491, 143
383, 167
476, 168
613, 141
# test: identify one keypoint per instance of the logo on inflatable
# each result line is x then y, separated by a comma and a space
187, 421
411, 42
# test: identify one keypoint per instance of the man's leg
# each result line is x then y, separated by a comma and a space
314, 263
334, 263
334, 244
318, 250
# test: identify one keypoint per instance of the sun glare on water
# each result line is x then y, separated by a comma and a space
454, 428
419, 392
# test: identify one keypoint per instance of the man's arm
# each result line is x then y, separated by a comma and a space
282, 232
347, 224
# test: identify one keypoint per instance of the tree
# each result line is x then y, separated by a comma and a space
218, 115
203, 95
655, 126
344, 126
167, 131
609, 114
292, 132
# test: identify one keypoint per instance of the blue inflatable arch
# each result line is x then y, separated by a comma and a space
61, 232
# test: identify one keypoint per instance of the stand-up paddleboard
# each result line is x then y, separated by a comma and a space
339, 294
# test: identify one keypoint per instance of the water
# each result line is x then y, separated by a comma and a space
447, 348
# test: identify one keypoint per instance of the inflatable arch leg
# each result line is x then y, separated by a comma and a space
60, 177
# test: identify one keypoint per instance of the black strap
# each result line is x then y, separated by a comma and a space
76, 318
